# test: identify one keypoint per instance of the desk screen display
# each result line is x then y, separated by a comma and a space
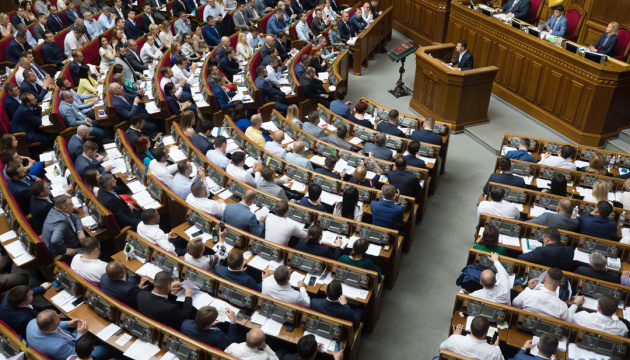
137, 170
308, 143
252, 151
323, 115
571, 47
364, 195
487, 311
289, 131
296, 174
238, 139
93, 210
274, 164
275, 118
216, 176
324, 326
139, 328
155, 190
184, 147
81, 196
197, 160
237, 189
393, 143
546, 328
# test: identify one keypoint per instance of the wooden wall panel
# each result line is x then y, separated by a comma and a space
605, 11
531, 88
423, 21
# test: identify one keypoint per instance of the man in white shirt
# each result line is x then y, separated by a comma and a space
106, 20
167, 77
563, 160
544, 301
279, 229
473, 345
255, 340
160, 168
92, 26
149, 51
88, 264
278, 287
273, 74
275, 147
149, 229
23, 64
496, 206
198, 198
74, 39
218, 155
603, 320
236, 169
182, 181
179, 71
495, 288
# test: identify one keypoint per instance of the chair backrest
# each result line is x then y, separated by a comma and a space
91, 49
140, 42
199, 14
60, 37
253, 64
5, 122
575, 16
4, 44
11, 14
534, 11
623, 40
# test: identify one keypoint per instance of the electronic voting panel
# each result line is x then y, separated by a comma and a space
7, 348
334, 225
477, 308
506, 228
164, 263
201, 281
137, 328
138, 249
322, 327
180, 350
601, 345
277, 312
265, 251
306, 264
538, 327
66, 283
100, 306
299, 215
236, 297
346, 275
374, 236
296, 174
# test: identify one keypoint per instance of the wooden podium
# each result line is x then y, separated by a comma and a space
457, 97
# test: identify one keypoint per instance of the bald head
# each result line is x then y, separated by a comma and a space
564, 207
269, 40
255, 338
488, 279
249, 196
83, 131
115, 270
298, 147
47, 320
256, 121
278, 136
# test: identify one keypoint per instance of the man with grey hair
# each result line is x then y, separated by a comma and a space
73, 117
91, 6
275, 147
386, 212
125, 214
597, 269
297, 156
63, 231
253, 133
106, 20
378, 148
278, 287
92, 27
251, 348
560, 220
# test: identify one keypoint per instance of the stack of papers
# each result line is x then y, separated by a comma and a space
141, 350
575, 352
64, 300
19, 254
136, 186
9, 235
49, 156
298, 186
152, 108
329, 344
543, 184
528, 245
258, 262
108, 332
168, 140
355, 141
221, 306
330, 199
176, 154
144, 199
329, 237
46, 121
199, 298
149, 270
258, 318
509, 240
538, 210
613, 263
269, 126
319, 160
271, 327
88, 221
581, 256
295, 278
354, 292
374, 250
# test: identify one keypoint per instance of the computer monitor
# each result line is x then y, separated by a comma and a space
596, 57
571, 47
534, 31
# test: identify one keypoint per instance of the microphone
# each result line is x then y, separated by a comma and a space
448, 56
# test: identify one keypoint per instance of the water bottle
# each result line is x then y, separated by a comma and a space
215, 236
622, 218
129, 173
617, 160
175, 273
128, 252
85, 210
574, 215
612, 162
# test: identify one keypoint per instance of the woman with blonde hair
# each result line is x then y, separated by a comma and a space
187, 122
6, 28
607, 42
599, 193
596, 165
244, 51
358, 177
9, 142
196, 248
154, 30
165, 32
293, 115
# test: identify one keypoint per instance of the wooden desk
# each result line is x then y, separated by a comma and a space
371, 39
581, 99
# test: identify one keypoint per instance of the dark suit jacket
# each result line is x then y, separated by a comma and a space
15, 50
238, 277
318, 26
522, 355
520, 11
146, 22
201, 143
52, 53
283, 48
36, 90
335, 309
319, 250
505, 179
132, 135
121, 290
39, 211
406, 182
610, 45
55, 25
75, 147
554, 254
18, 317
10, 106
264, 51
213, 336
21, 193
309, 87
412, 160
72, 16
165, 311
467, 62
229, 67
132, 30
180, 6
389, 128
220, 53
345, 32
74, 72
599, 275
222, 97
16, 21
428, 136
297, 6
135, 61
327, 172
357, 23
268, 92
83, 164
126, 110
120, 13
119, 208
212, 35
38, 32
173, 105
386, 214
30, 120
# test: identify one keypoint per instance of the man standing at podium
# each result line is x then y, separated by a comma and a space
464, 59
557, 24
516, 8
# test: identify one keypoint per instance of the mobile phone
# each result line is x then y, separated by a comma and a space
312, 280
120, 331
78, 301
198, 233
222, 226
55, 283
239, 315
338, 346
494, 338
290, 328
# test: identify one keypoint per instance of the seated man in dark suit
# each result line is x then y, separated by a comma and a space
229, 64
224, 98
268, 92
16, 309
312, 87
522, 153
203, 328
378, 148
160, 304
505, 177
547, 347
597, 269
115, 284
234, 271
328, 170
386, 212
413, 159
343, 27
17, 46
336, 305
55, 21
598, 224
19, 183
426, 135
75, 145
89, 159
406, 183
12, 100
52, 52
30, 85
463, 58
132, 29
554, 253
516, 8
357, 23
41, 203
128, 105
201, 139
391, 125
62, 231
300, 68
125, 214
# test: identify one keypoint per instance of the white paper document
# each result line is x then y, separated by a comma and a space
149, 270
354, 292
271, 327
295, 278
8, 236
374, 250
108, 332
141, 350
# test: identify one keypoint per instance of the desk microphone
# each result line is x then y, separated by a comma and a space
448, 56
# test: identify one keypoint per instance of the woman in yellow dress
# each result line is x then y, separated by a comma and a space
87, 85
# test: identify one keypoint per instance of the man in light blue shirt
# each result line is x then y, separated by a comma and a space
92, 26
213, 10
557, 24
275, 147
29, 37
218, 156
182, 181
303, 31
106, 20
182, 25
297, 156
85, 109
72, 117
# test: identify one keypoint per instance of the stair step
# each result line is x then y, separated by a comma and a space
618, 145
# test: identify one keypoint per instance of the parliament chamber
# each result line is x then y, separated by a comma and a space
211, 180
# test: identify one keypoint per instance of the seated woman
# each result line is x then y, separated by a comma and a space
195, 254
293, 115
349, 206
596, 165
187, 123
142, 150
607, 42
174, 106
312, 244
599, 193
9, 142
320, 65
160, 168
244, 51
240, 117
358, 177
489, 241
356, 258
558, 185
90, 179
359, 116
128, 84
87, 85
